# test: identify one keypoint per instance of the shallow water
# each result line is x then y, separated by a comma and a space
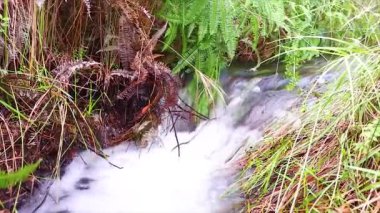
157, 180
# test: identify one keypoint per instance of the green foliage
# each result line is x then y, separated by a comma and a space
371, 132
4, 23
209, 31
370, 135
333, 154
12, 178
80, 53
208, 36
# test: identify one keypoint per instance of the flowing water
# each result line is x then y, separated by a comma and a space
157, 180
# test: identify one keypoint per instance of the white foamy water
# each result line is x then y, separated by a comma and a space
156, 179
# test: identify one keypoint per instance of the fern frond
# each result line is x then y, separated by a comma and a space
183, 12
195, 9
186, 60
255, 31
274, 12
12, 178
229, 30
170, 35
215, 7
203, 27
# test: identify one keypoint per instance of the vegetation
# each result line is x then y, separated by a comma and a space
75, 75
207, 34
84, 74
332, 161
12, 178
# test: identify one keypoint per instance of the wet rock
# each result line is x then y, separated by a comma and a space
83, 183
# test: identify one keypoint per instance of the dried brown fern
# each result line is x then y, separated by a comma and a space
149, 87
129, 42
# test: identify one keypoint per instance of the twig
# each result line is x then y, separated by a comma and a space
175, 121
193, 111
180, 144
43, 199
102, 155
175, 134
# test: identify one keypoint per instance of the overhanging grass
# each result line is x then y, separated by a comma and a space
332, 161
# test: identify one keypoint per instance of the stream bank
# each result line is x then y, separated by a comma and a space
155, 179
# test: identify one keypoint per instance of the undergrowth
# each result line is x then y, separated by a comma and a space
75, 75
82, 74
208, 34
330, 162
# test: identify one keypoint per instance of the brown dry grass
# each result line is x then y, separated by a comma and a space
78, 75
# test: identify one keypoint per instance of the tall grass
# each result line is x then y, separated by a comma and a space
331, 162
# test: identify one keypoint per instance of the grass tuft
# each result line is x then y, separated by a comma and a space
331, 163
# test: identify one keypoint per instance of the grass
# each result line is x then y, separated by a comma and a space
36, 122
65, 66
331, 162
62, 71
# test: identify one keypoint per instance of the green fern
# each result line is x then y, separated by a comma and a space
274, 13
209, 31
170, 35
209, 38
12, 178
186, 60
215, 9
230, 33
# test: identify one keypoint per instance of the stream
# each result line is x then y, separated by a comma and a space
155, 179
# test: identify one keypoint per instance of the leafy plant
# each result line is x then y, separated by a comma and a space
12, 178
208, 36
4, 23
205, 33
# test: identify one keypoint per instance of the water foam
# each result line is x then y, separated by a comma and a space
156, 179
